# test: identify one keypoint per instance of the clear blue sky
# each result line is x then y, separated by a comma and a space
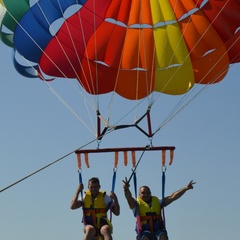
36, 129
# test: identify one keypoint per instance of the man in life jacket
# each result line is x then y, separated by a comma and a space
147, 210
95, 204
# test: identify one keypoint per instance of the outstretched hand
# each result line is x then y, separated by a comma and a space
190, 185
126, 184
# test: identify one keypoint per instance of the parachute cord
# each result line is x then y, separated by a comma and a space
46, 166
178, 108
42, 50
175, 112
68, 106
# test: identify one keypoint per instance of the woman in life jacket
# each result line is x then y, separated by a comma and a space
147, 210
95, 204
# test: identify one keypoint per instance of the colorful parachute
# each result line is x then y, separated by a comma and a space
132, 47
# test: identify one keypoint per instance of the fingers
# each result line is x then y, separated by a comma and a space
126, 184
190, 185
125, 181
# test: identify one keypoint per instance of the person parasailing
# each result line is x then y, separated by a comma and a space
147, 210
95, 204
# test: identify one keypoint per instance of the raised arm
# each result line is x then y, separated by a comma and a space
176, 195
128, 195
75, 203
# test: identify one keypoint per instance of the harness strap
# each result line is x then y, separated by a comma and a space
147, 218
96, 220
80, 181
95, 211
138, 226
150, 219
135, 183
163, 196
91, 212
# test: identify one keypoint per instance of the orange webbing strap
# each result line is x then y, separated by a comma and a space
79, 160
93, 212
163, 157
116, 159
125, 158
170, 157
86, 160
96, 210
150, 220
79, 163
133, 158
154, 217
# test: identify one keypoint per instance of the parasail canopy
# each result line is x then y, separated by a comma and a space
130, 47
135, 48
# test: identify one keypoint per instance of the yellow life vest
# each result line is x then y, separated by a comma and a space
149, 214
95, 209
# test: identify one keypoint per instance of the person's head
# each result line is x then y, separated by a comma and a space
94, 186
145, 193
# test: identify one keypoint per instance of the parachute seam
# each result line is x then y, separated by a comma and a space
60, 44
177, 108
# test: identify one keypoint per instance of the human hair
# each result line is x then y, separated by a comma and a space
93, 180
145, 187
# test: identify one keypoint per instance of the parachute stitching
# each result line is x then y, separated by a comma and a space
175, 111
95, 41
167, 83
146, 74
87, 58
191, 52
185, 100
35, 41
58, 43
64, 53
75, 49
55, 66
65, 75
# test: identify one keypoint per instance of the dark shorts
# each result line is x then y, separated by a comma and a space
157, 233
102, 223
